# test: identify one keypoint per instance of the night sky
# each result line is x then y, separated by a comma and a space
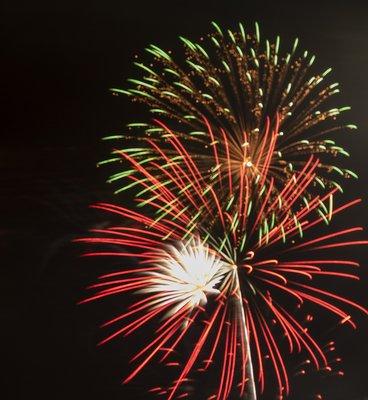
59, 59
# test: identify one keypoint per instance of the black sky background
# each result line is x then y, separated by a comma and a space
58, 61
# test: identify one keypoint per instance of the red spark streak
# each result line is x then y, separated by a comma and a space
195, 352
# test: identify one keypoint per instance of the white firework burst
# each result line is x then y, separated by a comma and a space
185, 276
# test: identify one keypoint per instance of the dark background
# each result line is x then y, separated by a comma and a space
58, 61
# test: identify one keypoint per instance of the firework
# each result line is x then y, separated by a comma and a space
230, 178
236, 95
186, 275
246, 263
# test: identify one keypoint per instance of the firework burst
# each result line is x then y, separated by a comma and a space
185, 274
248, 267
237, 94
230, 179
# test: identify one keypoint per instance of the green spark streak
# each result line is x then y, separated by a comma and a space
266, 229
217, 44
140, 93
249, 208
171, 94
230, 202
340, 150
113, 137
283, 234
260, 234
296, 41
226, 66
242, 244
215, 81
320, 182
152, 188
338, 170
351, 173
142, 66
186, 88
108, 161
137, 125
273, 220
305, 202
184, 189
298, 225
218, 29
116, 90
188, 232
147, 160
158, 111
188, 43
140, 83
300, 229
279, 201
120, 175
205, 191
258, 36
242, 31
167, 236
168, 211
147, 201
197, 133
322, 205
141, 150
154, 130
328, 70
201, 49
351, 126
158, 52
180, 213
262, 191
223, 242
323, 216
197, 67
172, 72
192, 221
337, 186
234, 221
206, 238
124, 188
267, 49
277, 45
